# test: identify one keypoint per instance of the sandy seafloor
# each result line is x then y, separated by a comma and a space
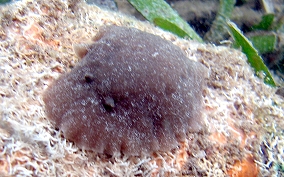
243, 135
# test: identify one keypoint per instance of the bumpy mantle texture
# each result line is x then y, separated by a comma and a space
243, 117
132, 92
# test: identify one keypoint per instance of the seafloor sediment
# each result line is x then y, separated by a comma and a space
244, 117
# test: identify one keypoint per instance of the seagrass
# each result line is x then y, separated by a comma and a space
244, 117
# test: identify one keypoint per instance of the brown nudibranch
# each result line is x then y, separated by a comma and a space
132, 92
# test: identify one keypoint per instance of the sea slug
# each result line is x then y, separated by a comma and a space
132, 93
